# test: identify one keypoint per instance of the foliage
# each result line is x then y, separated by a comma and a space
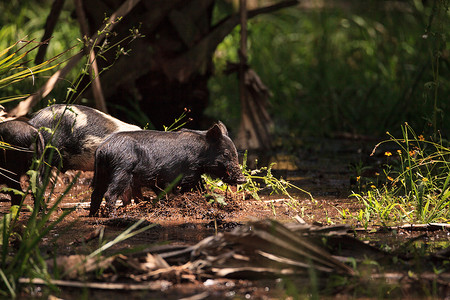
258, 180
59, 48
179, 122
25, 20
417, 177
265, 176
14, 69
27, 260
417, 186
436, 33
361, 68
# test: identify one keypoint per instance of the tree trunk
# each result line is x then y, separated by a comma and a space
167, 70
158, 77
254, 129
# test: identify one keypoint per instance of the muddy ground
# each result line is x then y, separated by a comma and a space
322, 168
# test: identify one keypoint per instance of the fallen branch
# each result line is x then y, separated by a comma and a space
153, 285
410, 227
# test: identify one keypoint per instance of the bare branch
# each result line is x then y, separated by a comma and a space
93, 70
50, 24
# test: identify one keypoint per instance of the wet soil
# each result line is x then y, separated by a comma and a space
321, 167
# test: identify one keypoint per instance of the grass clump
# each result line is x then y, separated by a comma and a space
417, 185
26, 260
19, 238
23, 228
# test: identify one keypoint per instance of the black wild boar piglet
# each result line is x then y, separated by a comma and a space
127, 161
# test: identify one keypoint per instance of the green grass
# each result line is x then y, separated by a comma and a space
416, 188
27, 260
25, 20
15, 68
259, 180
27, 231
416, 176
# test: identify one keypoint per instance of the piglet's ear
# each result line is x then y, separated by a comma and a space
214, 133
223, 128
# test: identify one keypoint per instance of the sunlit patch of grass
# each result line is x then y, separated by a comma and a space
14, 69
417, 185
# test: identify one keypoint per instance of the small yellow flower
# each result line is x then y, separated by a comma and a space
399, 152
390, 178
421, 138
358, 178
387, 153
372, 186
377, 174
425, 179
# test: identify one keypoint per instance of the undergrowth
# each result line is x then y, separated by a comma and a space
24, 227
354, 68
259, 180
416, 185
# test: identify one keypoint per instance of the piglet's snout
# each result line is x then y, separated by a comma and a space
237, 178
241, 180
